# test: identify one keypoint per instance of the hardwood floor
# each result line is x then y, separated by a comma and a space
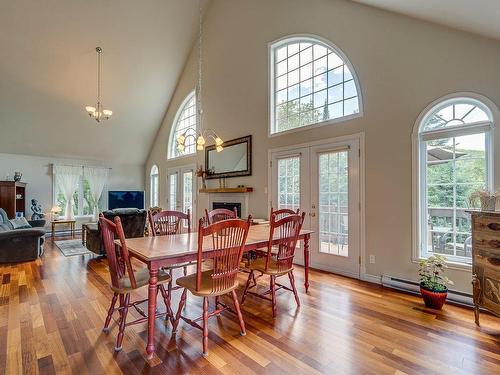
52, 312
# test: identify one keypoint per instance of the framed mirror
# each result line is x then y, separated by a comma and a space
234, 160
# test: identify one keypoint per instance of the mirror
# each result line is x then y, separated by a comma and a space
234, 160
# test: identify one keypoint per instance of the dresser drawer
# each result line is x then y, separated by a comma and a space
487, 224
486, 240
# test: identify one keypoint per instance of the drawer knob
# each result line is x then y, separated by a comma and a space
494, 243
494, 226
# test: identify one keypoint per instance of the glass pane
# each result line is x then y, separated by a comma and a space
456, 167
310, 69
459, 113
188, 192
333, 203
185, 125
289, 183
172, 201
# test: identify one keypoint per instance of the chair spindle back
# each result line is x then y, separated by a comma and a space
118, 257
283, 212
228, 240
283, 235
220, 214
166, 223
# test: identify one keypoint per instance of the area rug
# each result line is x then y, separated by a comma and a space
72, 247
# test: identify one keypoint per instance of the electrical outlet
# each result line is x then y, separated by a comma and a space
372, 259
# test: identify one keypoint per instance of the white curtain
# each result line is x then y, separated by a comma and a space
67, 178
97, 179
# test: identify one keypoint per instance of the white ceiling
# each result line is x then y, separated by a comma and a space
476, 16
48, 74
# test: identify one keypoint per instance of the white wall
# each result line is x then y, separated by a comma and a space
37, 173
403, 64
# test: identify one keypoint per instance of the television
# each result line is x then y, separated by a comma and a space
126, 199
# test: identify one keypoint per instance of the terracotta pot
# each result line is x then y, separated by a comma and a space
434, 300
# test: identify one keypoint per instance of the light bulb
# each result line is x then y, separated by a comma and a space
107, 112
199, 147
218, 141
181, 138
200, 140
219, 148
90, 109
180, 147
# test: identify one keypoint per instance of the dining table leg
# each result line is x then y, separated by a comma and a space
306, 262
152, 291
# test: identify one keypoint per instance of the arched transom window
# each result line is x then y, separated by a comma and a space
184, 124
454, 143
154, 193
311, 82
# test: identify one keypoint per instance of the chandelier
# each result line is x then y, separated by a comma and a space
98, 112
203, 134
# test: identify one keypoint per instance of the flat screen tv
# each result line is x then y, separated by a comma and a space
125, 199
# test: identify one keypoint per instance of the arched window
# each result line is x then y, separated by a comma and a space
184, 124
311, 82
453, 145
154, 193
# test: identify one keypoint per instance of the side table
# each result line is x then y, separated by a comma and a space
71, 226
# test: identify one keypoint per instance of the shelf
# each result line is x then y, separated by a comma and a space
228, 190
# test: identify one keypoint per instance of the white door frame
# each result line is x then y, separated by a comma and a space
180, 192
362, 219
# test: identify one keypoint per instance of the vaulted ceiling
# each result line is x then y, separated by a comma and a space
48, 74
476, 16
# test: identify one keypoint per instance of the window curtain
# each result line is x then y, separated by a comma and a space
67, 178
97, 179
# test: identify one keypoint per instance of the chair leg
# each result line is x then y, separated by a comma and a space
292, 282
168, 307
205, 326
272, 286
185, 270
110, 313
217, 303
243, 331
247, 286
119, 339
182, 302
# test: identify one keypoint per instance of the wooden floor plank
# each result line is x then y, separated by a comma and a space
52, 311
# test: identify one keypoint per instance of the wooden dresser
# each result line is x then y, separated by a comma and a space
486, 261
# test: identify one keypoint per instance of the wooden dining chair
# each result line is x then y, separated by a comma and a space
222, 243
283, 236
220, 214
124, 280
281, 213
167, 223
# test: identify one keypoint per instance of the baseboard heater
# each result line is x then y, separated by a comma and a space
414, 287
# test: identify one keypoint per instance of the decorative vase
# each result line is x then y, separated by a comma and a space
17, 176
432, 299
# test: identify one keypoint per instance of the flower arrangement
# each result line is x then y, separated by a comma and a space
431, 273
200, 172
486, 198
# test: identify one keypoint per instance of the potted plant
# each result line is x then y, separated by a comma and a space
432, 281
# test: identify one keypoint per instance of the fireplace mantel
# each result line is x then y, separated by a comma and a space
228, 190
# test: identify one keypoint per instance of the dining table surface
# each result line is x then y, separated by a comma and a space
162, 251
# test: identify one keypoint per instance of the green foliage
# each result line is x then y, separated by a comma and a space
431, 273
295, 114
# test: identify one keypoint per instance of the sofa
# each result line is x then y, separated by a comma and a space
133, 222
20, 245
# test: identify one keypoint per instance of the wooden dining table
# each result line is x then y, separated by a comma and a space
162, 251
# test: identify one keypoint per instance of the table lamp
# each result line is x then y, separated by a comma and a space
55, 212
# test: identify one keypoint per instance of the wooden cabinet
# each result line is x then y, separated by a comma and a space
486, 261
13, 197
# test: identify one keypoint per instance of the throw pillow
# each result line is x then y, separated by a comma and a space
20, 223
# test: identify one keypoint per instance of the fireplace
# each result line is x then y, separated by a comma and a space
228, 206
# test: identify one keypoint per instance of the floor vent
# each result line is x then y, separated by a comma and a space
413, 287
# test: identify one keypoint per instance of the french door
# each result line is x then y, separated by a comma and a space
181, 190
323, 181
